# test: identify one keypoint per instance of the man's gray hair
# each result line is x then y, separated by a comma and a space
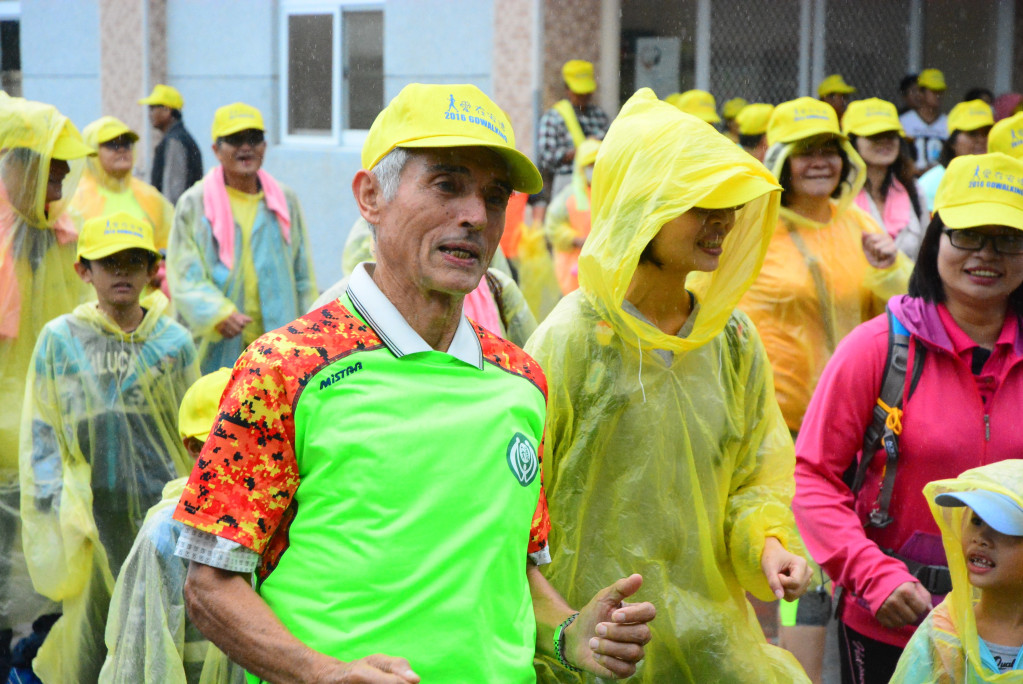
387, 171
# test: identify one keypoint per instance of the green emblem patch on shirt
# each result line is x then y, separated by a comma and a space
522, 459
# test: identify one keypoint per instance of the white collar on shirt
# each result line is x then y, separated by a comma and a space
395, 332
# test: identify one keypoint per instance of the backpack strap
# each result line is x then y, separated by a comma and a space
887, 417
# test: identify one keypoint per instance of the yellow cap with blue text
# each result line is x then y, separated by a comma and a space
802, 118
870, 117
164, 96
834, 84
201, 404
456, 115
578, 75
754, 117
106, 235
981, 190
235, 117
969, 116
1007, 136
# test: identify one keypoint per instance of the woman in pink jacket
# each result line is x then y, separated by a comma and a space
963, 313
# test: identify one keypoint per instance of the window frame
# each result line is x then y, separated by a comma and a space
336, 9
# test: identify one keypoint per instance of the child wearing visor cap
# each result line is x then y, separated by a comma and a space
972, 635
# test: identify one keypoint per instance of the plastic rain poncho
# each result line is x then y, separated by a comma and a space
99, 191
149, 636
816, 286
37, 283
945, 649
679, 469
568, 218
206, 291
99, 442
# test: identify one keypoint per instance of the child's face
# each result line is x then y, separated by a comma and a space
993, 560
120, 277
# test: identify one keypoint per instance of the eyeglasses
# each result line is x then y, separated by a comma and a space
973, 241
251, 137
120, 143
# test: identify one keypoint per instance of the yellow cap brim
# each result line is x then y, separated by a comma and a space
233, 128
100, 252
873, 128
812, 131
68, 147
581, 86
738, 190
976, 214
524, 175
117, 132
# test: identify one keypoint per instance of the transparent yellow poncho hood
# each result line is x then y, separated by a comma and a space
655, 164
946, 647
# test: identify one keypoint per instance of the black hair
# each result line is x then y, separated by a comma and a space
750, 141
647, 256
907, 82
925, 282
948, 152
978, 94
153, 259
902, 169
785, 177
176, 113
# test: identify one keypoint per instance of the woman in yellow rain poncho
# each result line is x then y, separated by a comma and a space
946, 648
567, 221
665, 450
108, 187
40, 163
830, 266
98, 442
149, 636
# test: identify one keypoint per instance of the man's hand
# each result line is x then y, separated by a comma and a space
787, 574
233, 325
904, 605
374, 669
607, 638
880, 249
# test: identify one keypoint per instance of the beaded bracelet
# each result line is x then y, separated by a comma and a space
559, 643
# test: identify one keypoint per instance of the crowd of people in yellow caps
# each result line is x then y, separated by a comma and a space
698, 364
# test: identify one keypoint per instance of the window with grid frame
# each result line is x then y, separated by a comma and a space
332, 70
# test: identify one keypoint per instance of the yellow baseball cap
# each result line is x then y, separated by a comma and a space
870, 117
754, 117
981, 190
235, 117
69, 144
106, 128
733, 107
201, 404
802, 118
1007, 136
834, 84
969, 116
578, 75
460, 115
932, 79
164, 96
700, 104
106, 235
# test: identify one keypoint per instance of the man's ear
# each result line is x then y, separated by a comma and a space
368, 195
83, 271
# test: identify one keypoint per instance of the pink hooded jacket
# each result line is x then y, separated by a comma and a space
948, 427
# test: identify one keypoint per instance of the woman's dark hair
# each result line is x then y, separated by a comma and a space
902, 169
925, 282
978, 94
785, 177
948, 148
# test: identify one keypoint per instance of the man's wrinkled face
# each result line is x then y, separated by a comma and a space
445, 222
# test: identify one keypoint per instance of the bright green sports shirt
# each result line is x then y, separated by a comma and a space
410, 478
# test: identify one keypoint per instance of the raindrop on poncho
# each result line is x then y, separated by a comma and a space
676, 466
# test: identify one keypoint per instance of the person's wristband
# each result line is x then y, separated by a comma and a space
559, 643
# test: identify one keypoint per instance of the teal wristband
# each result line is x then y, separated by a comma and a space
559, 643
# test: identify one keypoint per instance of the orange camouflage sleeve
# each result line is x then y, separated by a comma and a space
245, 478
540, 528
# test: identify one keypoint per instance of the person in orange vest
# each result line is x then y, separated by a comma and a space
570, 121
567, 222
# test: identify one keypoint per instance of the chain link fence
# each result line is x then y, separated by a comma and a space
867, 41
